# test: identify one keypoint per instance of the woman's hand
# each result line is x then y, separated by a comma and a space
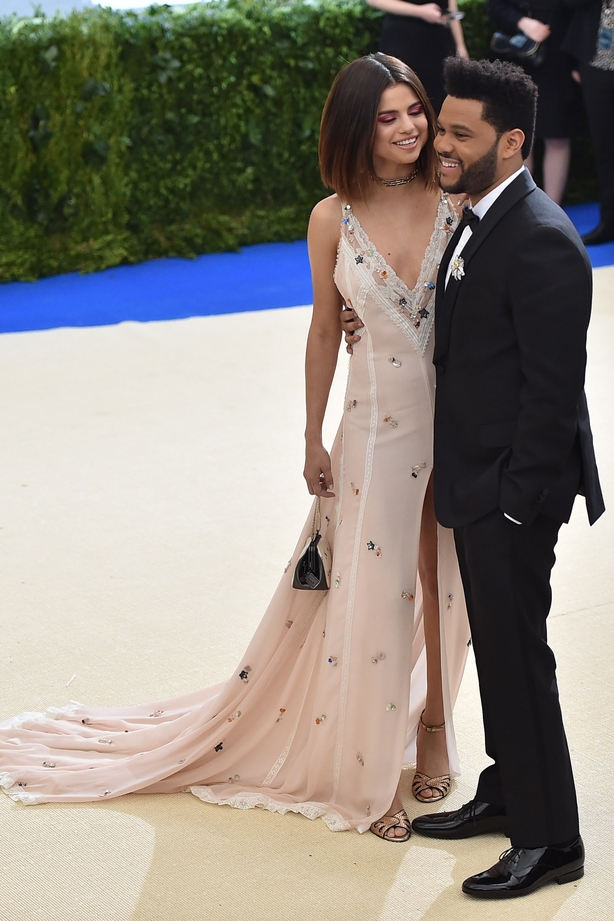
460, 202
350, 322
318, 471
430, 12
534, 29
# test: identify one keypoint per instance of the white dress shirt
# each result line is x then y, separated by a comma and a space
480, 210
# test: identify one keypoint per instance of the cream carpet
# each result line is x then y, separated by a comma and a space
151, 493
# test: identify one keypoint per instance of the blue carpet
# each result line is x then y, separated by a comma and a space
585, 217
258, 278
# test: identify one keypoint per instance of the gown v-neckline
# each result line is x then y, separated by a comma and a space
385, 266
411, 309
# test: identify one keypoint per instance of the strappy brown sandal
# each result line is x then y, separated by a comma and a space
387, 822
439, 786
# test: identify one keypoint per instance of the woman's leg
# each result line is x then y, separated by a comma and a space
432, 756
555, 166
557, 153
392, 825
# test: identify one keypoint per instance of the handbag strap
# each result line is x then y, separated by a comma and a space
317, 518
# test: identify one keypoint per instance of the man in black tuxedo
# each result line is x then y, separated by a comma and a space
513, 447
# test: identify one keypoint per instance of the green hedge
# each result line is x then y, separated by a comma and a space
129, 136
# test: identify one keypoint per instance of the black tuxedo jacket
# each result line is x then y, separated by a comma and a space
511, 421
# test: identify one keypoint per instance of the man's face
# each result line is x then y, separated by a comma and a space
468, 149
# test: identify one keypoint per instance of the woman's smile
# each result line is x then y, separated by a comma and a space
402, 124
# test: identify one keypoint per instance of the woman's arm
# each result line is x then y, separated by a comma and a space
323, 340
430, 12
511, 17
457, 32
504, 15
536, 30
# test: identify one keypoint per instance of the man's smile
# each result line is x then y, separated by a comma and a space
448, 165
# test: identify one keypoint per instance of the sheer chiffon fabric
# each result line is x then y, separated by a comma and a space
321, 713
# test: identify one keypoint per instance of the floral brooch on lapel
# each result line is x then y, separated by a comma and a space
458, 268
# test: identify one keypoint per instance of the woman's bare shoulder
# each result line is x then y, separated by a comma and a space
326, 217
327, 210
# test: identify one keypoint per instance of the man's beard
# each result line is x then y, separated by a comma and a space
477, 177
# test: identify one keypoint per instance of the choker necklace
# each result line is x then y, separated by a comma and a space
404, 181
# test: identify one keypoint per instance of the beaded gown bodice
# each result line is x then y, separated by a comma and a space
362, 272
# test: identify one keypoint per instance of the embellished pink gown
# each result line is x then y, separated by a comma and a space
322, 711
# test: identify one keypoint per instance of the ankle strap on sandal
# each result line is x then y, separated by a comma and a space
431, 728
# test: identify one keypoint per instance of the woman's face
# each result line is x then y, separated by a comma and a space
401, 131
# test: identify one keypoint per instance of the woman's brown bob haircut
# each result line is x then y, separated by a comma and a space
349, 122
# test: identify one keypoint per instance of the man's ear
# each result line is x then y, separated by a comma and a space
511, 143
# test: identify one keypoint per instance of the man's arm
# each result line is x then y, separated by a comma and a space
550, 295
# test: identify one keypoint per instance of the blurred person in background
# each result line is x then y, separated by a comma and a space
422, 35
589, 39
546, 22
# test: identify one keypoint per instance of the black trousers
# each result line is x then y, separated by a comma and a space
506, 569
598, 92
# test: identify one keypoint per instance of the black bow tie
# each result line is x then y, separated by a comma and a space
470, 219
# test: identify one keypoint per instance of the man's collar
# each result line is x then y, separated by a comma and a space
485, 203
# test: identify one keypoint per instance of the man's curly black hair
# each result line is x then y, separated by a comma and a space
508, 94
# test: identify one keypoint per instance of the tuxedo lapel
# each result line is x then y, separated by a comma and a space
444, 296
447, 294
510, 196
445, 259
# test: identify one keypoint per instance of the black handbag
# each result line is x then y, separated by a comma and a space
518, 48
312, 572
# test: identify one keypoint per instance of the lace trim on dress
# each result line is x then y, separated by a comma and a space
69, 710
270, 777
330, 818
345, 675
411, 310
10, 787
34, 716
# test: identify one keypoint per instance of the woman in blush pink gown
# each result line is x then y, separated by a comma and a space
323, 710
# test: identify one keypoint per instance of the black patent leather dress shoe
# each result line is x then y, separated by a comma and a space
603, 233
473, 818
521, 870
